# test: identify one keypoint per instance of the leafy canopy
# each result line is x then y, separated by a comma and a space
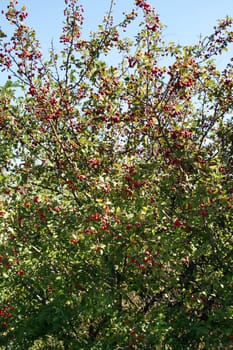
116, 187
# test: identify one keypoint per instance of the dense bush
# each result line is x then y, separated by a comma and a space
116, 188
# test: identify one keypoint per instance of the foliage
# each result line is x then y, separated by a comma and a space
116, 188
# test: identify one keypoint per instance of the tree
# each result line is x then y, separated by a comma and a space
116, 189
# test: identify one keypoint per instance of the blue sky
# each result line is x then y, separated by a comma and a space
185, 19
